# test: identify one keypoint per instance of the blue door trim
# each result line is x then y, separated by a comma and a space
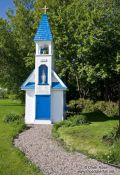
43, 107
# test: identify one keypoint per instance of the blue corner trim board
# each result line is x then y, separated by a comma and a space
43, 31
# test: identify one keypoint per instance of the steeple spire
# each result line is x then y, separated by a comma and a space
44, 31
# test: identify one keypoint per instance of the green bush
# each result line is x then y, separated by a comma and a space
111, 137
108, 108
81, 105
72, 121
113, 156
12, 96
107, 157
116, 151
3, 93
64, 123
74, 106
10, 118
88, 105
75, 120
78, 120
85, 106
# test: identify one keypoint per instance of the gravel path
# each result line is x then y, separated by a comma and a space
52, 159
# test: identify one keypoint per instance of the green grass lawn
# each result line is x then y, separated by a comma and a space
12, 161
88, 139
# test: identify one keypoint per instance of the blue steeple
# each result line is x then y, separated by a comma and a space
43, 31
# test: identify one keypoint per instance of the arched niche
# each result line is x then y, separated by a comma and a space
43, 75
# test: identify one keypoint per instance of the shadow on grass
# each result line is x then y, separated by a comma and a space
98, 116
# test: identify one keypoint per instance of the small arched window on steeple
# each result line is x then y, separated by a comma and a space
44, 50
43, 75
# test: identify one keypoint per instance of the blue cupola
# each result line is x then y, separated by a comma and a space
43, 32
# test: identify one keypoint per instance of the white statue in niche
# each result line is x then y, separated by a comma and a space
43, 77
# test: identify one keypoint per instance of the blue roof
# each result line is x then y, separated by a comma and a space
43, 31
31, 85
57, 85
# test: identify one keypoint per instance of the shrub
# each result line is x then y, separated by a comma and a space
116, 151
3, 93
72, 121
107, 157
78, 120
88, 105
113, 156
113, 136
64, 123
74, 107
108, 108
10, 118
55, 129
12, 96
82, 105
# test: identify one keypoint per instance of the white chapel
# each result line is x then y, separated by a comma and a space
44, 90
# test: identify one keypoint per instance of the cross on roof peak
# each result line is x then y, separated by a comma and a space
45, 9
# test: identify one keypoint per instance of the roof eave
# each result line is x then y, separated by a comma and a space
64, 89
43, 40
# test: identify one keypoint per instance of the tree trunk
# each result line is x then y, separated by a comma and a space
78, 86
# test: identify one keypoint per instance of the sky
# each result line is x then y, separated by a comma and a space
4, 5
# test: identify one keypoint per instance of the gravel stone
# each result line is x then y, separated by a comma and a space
52, 159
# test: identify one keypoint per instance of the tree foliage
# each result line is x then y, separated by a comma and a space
86, 41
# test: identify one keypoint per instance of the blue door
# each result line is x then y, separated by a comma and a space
42, 107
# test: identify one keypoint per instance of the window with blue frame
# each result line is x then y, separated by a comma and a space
44, 50
43, 75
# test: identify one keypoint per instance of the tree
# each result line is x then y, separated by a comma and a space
16, 47
86, 41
